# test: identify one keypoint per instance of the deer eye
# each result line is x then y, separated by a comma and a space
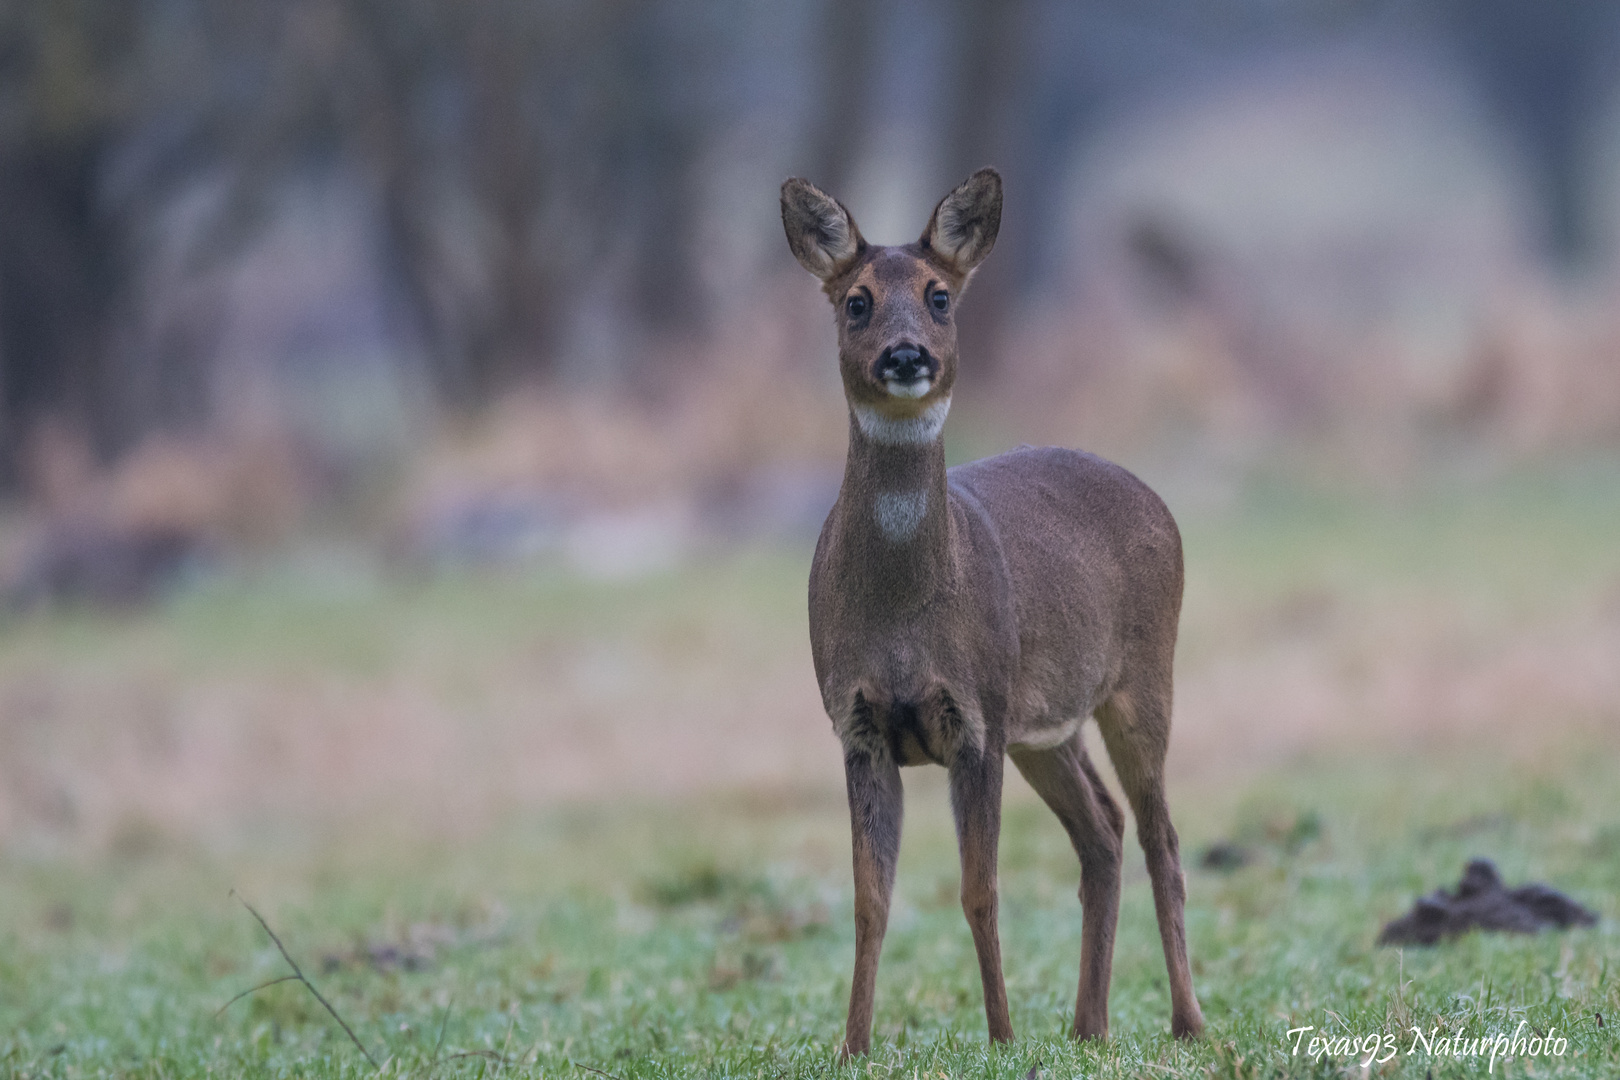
856, 305
940, 299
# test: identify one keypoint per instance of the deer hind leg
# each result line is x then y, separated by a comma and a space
976, 802
875, 810
1135, 727
1066, 780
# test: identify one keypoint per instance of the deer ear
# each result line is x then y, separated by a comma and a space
964, 226
819, 230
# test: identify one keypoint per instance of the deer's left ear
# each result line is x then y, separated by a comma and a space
964, 226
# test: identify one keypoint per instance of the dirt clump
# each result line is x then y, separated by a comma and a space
1482, 902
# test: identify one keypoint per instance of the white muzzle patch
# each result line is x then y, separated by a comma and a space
916, 388
916, 430
900, 513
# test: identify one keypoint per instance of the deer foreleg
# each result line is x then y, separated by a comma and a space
976, 801
875, 809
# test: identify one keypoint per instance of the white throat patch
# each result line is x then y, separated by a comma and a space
900, 513
917, 430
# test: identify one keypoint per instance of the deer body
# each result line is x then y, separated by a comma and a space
962, 616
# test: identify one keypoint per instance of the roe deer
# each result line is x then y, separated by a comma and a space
959, 615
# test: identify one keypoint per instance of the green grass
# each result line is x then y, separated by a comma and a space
713, 938
711, 935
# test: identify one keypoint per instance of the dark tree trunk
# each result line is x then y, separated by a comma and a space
982, 128
59, 260
1545, 68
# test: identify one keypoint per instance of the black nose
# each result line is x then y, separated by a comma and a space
903, 363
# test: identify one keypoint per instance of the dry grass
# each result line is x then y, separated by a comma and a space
246, 487
1219, 375
444, 704
697, 419
1312, 626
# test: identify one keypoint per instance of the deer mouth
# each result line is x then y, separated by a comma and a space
912, 388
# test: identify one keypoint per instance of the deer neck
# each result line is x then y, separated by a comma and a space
896, 533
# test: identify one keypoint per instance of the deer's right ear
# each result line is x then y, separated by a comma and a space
819, 230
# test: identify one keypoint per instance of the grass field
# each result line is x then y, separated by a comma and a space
530, 825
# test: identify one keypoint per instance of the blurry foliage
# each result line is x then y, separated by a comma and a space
508, 149
536, 174
701, 882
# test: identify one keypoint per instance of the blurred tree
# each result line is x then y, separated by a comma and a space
64, 81
988, 123
535, 166
514, 152
850, 45
1547, 68
433, 107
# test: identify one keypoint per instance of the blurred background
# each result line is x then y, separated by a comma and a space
414, 404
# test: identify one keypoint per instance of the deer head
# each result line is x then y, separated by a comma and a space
895, 306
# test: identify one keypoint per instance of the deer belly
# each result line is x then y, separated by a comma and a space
1052, 701
1045, 736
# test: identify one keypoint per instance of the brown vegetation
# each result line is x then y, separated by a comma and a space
442, 711
1539, 374
118, 534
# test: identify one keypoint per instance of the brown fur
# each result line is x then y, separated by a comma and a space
959, 616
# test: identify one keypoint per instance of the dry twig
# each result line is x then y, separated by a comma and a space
299, 976
262, 986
